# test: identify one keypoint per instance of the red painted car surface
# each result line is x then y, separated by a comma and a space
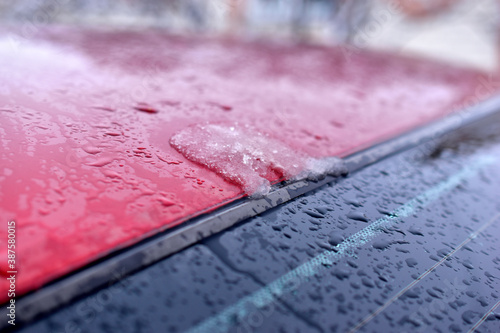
86, 118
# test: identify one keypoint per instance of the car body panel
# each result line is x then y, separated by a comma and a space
408, 244
86, 118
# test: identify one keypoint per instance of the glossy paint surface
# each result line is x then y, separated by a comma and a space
86, 119
428, 259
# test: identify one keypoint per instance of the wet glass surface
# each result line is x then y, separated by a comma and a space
410, 244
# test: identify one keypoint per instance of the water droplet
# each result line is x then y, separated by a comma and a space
335, 238
101, 162
469, 316
104, 108
415, 231
91, 150
166, 202
145, 108
341, 274
467, 264
381, 244
358, 216
411, 262
314, 214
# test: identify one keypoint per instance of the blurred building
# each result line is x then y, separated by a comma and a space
465, 33
327, 20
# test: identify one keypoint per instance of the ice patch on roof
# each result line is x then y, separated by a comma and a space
318, 168
249, 158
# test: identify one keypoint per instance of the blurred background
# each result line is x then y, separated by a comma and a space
463, 32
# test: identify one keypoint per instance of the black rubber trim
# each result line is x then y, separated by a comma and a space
119, 264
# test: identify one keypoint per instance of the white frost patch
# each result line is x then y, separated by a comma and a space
318, 168
243, 155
